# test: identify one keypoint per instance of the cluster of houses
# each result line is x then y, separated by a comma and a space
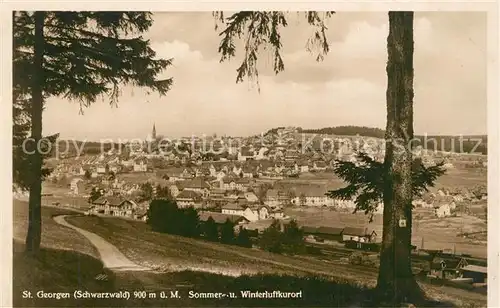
444, 202
459, 270
230, 184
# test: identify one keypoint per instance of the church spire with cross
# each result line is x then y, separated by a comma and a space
153, 133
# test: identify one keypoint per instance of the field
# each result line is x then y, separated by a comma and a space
67, 262
438, 233
54, 235
464, 178
174, 253
455, 177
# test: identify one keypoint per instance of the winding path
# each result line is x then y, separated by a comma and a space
111, 257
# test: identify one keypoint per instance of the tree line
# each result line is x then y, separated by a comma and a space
165, 216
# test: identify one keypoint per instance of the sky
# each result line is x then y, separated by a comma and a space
346, 88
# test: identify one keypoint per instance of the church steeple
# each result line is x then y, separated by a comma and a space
153, 133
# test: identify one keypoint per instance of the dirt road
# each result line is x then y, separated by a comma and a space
111, 257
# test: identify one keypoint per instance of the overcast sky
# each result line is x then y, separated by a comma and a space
347, 88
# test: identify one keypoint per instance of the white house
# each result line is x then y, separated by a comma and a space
443, 211
319, 166
114, 206
76, 186
174, 190
251, 197
140, 165
252, 213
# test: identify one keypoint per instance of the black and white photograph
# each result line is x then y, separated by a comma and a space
251, 158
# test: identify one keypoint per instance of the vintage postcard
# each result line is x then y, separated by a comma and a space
232, 155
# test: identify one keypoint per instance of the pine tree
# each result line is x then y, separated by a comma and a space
272, 238
243, 238
227, 232
189, 222
261, 30
82, 56
95, 194
146, 192
293, 238
210, 230
164, 216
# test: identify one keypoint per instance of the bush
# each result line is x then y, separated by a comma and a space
293, 239
164, 216
290, 241
227, 232
272, 239
210, 230
189, 222
243, 238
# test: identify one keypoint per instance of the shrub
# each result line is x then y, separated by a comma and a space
164, 216
210, 230
227, 232
243, 238
272, 239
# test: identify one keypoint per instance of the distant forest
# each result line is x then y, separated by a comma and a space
69, 147
434, 142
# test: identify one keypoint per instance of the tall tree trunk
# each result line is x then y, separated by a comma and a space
34, 235
396, 282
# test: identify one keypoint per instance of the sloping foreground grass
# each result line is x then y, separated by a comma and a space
53, 235
174, 253
63, 272
58, 271
194, 288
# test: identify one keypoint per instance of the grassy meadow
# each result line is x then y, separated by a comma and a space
171, 253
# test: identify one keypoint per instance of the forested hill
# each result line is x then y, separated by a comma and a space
441, 143
346, 131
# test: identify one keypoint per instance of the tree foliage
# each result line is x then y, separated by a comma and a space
243, 238
401, 176
95, 194
189, 222
163, 192
271, 239
81, 56
146, 192
227, 232
163, 216
365, 179
22, 146
293, 238
261, 31
210, 230
89, 54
